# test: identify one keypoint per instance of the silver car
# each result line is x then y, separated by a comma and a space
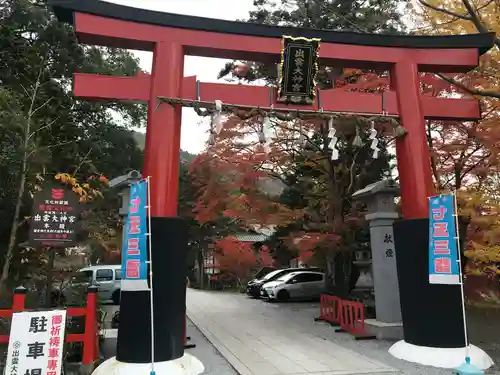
295, 285
107, 278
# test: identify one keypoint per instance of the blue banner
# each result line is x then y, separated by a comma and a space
443, 241
135, 247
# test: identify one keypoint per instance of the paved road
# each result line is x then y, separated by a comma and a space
214, 362
258, 339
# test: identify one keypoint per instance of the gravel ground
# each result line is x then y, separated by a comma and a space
214, 363
206, 353
484, 330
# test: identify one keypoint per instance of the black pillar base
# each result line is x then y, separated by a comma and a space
169, 246
432, 314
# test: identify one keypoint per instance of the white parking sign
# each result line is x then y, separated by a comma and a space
36, 343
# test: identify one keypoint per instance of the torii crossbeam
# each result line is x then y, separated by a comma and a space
171, 37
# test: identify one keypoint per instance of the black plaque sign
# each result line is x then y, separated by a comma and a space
298, 69
55, 217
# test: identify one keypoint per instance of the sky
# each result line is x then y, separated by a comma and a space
194, 129
194, 134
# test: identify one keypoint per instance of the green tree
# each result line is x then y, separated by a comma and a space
366, 16
46, 130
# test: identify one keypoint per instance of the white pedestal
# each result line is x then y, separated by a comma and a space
186, 365
440, 357
384, 331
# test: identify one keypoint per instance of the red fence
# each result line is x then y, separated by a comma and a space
89, 337
330, 309
348, 315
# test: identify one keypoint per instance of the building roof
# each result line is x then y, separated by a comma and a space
251, 237
65, 9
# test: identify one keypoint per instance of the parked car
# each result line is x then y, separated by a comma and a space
295, 285
107, 278
263, 271
254, 286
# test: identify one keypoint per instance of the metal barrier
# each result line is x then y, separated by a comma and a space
348, 315
89, 337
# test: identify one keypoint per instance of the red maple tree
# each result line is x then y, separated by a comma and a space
230, 174
238, 258
462, 153
230, 179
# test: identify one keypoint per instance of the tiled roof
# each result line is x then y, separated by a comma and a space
251, 237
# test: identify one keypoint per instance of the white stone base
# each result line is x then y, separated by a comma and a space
440, 357
186, 365
384, 331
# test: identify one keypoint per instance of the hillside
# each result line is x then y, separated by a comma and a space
140, 138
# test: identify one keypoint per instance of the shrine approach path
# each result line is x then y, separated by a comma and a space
260, 338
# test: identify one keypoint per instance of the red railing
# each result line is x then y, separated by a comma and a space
89, 337
349, 315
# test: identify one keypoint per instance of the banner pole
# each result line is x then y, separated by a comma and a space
151, 278
457, 238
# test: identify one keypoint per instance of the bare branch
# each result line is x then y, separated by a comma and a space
43, 127
26, 92
273, 174
445, 11
477, 164
83, 161
486, 93
40, 107
430, 144
48, 147
474, 17
351, 172
485, 5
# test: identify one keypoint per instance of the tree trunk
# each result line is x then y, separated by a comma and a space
22, 185
463, 227
201, 270
50, 277
15, 225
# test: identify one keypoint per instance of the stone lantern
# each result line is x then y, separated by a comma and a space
379, 198
122, 183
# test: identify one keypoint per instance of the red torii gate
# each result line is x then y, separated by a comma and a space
414, 194
172, 36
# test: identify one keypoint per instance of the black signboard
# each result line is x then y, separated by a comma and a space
55, 217
298, 69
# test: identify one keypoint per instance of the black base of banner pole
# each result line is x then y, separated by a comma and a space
169, 247
432, 314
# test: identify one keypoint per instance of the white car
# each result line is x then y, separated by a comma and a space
295, 285
107, 278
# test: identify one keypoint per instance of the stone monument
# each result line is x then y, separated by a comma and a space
379, 198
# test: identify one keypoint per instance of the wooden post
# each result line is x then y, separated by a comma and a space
19, 299
90, 333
